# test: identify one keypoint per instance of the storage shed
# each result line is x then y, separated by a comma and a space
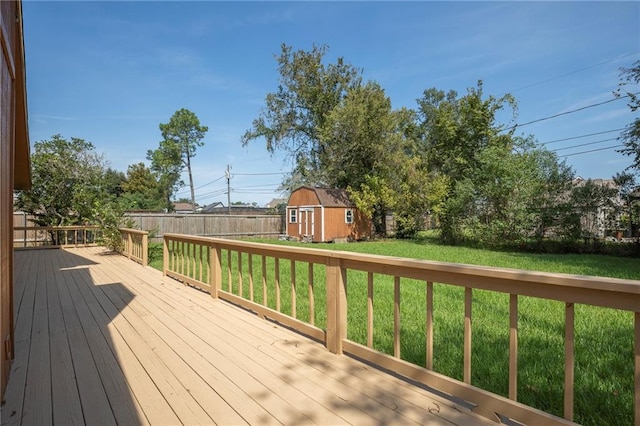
323, 215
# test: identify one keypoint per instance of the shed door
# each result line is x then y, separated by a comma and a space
306, 223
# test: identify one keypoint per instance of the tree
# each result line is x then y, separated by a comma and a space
182, 135
592, 203
293, 116
455, 133
629, 193
166, 165
631, 134
66, 179
141, 189
69, 181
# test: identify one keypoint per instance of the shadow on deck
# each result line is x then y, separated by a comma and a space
102, 340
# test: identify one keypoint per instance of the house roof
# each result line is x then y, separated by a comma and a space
276, 202
330, 197
183, 207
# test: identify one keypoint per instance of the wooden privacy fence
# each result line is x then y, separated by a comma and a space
135, 245
55, 236
251, 275
208, 224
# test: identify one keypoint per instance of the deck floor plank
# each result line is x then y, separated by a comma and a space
24, 297
97, 333
155, 407
93, 397
37, 407
367, 393
67, 408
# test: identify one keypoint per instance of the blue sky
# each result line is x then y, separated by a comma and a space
110, 72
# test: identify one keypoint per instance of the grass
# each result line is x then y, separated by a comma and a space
604, 387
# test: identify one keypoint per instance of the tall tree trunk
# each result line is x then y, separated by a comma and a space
193, 194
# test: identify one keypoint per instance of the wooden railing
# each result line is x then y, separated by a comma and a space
135, 245
55, 236
251, 275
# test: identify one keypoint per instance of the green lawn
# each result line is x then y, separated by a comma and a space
604, 337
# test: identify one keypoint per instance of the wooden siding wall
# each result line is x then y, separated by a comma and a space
11, 59
208, 225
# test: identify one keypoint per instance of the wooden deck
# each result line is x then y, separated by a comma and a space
103, 340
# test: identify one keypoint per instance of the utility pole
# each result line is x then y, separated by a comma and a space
228, 176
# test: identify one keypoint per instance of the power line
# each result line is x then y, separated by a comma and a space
575, 71
569, 112
581, 136
259, 174
593, 150
584, 144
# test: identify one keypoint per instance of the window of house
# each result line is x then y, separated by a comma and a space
348, 216
293, 217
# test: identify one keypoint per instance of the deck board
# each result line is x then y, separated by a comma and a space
102, 340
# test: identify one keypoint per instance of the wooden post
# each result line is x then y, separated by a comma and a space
429, 355
336, 305
215, 274
165, 256
129, 245
145, 249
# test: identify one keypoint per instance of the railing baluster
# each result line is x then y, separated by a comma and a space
396, 317
277, 278
250, 261
370, 309
229, 277
264, 282
569, 327
293, 289
312, 306
513, 347
467, 335
187, 258
240, 289
429, 339
200, 263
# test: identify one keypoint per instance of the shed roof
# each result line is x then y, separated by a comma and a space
330, 197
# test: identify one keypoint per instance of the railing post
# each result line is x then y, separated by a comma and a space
336, 305
215, 270
165, 256
145, 249
129, 245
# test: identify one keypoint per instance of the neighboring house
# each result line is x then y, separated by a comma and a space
212, 208
275, 203
14, 165
603, 221
322, 215
183, 208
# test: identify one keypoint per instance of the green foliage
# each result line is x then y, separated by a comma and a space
68, 178
631, 135
308, 91
182, 135
141, 189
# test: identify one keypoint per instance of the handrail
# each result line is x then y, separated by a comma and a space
208, 263
135, 245
56, 236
